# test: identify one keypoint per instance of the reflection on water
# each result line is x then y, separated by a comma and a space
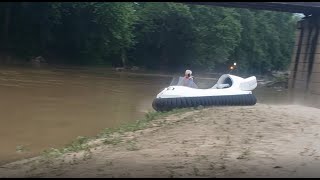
48, 108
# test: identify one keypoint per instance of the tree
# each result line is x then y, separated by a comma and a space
164, 34
266, 41
155, 35
217, 32
96, 32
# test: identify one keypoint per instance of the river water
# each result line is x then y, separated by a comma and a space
44, 108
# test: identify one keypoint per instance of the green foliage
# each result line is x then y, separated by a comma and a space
151, 34
21, 148
140, 124
218, 33
164, 33
267, 41
93, 33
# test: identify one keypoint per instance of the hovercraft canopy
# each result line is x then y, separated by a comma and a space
225, 81
231, 81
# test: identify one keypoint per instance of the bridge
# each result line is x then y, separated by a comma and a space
293, 7
304, 78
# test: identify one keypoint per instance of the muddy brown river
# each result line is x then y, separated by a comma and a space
44, 108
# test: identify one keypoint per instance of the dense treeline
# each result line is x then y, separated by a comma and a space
154, 35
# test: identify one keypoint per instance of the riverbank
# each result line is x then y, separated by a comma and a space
256, 141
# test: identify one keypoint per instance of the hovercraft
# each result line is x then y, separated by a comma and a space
230, 90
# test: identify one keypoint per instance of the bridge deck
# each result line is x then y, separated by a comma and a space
293, 7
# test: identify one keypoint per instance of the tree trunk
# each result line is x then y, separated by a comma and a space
123, 58
6, 24
164, 56
45, 28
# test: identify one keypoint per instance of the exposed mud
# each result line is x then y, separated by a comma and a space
256, 141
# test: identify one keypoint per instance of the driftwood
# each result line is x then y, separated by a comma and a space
133, 68
38, 61
271, 84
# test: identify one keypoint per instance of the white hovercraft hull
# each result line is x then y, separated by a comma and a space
239, 93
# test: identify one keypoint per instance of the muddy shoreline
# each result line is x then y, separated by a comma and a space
256, 141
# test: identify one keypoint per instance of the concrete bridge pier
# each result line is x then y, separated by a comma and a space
304, 79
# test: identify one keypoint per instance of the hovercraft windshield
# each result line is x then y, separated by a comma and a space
181, 81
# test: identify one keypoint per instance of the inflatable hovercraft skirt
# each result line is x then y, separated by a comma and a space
230, 90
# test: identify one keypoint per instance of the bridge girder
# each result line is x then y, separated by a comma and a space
292, 7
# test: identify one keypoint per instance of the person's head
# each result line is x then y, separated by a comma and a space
188, 73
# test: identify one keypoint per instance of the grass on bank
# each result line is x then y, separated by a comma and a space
82, 143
